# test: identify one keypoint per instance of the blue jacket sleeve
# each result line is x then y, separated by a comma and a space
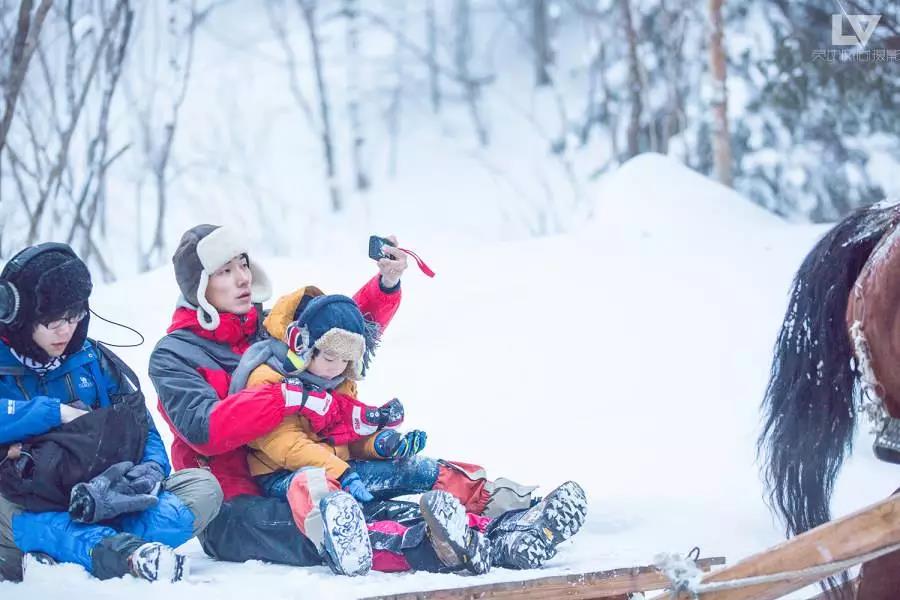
155, 449
20, 419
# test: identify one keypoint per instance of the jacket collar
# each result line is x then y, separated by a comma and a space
10, 365
238, 331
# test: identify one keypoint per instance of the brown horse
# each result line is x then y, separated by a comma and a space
837, 355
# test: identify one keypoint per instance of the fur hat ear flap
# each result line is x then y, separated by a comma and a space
261, 287
207, 315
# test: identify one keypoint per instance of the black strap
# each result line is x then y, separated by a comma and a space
119, 364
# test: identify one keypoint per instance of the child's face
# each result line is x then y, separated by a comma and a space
326, 365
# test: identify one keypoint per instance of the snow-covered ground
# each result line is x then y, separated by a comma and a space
630, 355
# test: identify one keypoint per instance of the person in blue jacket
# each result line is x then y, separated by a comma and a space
84, 474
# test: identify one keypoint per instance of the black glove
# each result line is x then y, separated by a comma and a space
392, 444
107, 495
390, 414
145, 478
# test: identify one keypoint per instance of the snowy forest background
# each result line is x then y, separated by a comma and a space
126, 121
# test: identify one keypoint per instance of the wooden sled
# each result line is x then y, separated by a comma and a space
861, 536
615, 584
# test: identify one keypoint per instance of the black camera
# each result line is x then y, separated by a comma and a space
376, 247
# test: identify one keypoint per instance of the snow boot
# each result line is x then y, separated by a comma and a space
348, 550
455, 543
525, 539
157, 562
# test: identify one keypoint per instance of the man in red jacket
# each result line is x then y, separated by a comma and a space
217, 319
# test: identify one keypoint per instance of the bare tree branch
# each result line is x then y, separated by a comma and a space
161, 155
26, 41
424, 55
97, 149
277, 22
17, 166
63, 153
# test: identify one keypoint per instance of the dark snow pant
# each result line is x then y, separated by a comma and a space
264, 528
391, 478
260, 528
468, 483
396, 530
385, 479
191, 500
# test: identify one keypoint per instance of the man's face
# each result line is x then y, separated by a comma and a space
229, 287
53, 336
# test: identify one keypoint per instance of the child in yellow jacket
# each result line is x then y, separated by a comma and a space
319, 346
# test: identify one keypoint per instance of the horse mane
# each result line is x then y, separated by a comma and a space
808, 409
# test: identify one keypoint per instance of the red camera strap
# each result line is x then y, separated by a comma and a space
421, 263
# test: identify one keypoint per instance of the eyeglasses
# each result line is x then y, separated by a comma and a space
73, 320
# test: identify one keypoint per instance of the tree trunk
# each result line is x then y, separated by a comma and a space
541, 40
396, 93
634, 81
308, 8
672, 59
434, 81
351, 11
463, 48
612, 116
721, 141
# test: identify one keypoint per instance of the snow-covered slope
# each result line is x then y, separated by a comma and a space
630, 355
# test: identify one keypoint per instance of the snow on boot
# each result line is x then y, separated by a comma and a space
454, 542
526, 539
157, 562
32, 560
347, 547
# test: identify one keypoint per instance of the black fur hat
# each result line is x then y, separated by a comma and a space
50, 286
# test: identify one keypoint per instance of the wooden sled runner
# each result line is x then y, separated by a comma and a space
785, 568
807, 558
614, 584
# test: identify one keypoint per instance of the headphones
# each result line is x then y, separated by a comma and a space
10, 299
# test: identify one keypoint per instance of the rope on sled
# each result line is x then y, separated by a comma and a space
686, 577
